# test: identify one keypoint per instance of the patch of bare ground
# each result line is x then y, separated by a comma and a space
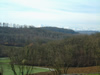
93, 69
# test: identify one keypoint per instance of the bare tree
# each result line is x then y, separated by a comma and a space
20, 59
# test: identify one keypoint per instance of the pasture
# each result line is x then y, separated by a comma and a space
4, 63
4, 60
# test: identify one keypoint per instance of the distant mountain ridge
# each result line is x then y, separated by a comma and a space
89, 32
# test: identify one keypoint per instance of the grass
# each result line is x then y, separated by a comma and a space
4, 60
4, 63
8, 71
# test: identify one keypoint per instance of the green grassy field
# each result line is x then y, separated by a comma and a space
4, 63
4, 60
8, 71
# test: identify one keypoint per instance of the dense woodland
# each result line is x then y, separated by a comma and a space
62, 49
25, 35
61, 30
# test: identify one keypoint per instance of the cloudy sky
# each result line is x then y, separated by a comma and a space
73, 14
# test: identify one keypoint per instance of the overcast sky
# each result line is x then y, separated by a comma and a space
73, 14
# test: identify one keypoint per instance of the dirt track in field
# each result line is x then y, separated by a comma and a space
93, 69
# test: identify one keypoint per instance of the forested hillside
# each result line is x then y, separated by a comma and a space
49, 47
61, 30
78, 51
82, 50
23, 36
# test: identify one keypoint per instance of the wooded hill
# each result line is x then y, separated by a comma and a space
51, 48
23, 36
61, 30
77, 51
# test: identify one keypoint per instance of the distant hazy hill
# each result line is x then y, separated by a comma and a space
22, 36
87, 32
61, 30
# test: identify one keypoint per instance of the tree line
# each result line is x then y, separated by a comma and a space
77, 51
23, 36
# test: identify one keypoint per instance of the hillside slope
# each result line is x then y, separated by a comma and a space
23, 36
61, 30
